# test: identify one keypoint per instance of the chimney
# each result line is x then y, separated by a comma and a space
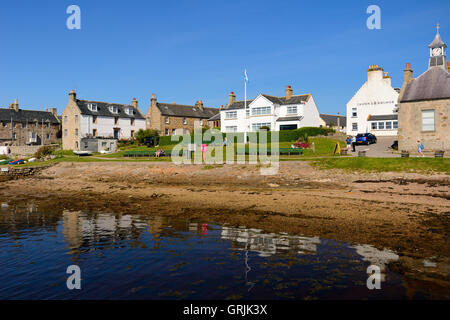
134, 103
407, 74
153, 101
338, 120
289, 92
231, 98
72, 96
14, 105
221, 107
448, 66
199, 104
375, 73
54, 112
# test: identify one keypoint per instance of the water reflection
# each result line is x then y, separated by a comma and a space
147, 256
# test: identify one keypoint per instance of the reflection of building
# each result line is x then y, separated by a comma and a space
267, 244
376, 257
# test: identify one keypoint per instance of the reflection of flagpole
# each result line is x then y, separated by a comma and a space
247, 269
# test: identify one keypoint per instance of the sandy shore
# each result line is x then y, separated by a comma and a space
405, 212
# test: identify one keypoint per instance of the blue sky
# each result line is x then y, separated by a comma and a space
185, 51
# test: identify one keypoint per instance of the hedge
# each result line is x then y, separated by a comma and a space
284, 135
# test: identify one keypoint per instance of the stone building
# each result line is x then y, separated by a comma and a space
336, 122
94, 119
175, 119
424, 103
21, 127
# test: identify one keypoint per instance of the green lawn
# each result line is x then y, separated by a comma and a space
420, 165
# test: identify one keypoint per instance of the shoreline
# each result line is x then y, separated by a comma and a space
408, 213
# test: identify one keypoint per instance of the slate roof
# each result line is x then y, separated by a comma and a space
383, 117
290, 118
437, 42
215, 117
330, 118
178, 110
27, 116
103, 109
277, 100
432, 85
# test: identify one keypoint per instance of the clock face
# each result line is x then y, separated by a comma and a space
437, 52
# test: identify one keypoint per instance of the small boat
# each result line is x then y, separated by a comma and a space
5, 162
82, 153
20, 161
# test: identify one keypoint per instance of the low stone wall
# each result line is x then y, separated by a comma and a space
25, 150
13, 173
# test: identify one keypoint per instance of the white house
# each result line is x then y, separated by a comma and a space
94, 119
277, 113
374, 107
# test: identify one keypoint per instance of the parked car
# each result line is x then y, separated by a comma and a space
366, 138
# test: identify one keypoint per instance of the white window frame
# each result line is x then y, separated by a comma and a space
355, 126
290, 110
231, 128
231, 115
355, 113
381, 125
428, 120
167, 120
386, 125
261, 111
395, 124
184, 120
374, 126
92, 107
257, 126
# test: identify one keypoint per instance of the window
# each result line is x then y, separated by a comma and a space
76, 132
48, 136
257, 126
355, 126
25, 125
388, 125
113, 109
48, 124
292, 109
173, 131
167, 120
132, 133
201, 122
94, 132
116, 120
65, 132
94, 119
184, 120
65, 119
4, 124
130, 111
380, 125
354, 113
231, 129
259, 111
103, 144
374, 126
427, 120
167, 132
247, 113
13, 124
132, 121
231, 115
92, 106
395, 124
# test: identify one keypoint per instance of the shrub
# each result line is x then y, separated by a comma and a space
142, 135
44, 151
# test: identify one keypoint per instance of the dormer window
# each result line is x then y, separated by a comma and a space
130, 111
92, 106
113, 109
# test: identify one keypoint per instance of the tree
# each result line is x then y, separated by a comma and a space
142, 135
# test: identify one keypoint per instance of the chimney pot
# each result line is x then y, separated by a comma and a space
448, 66
231, 98
72, 95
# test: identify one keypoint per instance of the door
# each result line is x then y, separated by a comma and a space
288, 127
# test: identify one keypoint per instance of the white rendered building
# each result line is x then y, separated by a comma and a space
94, 119
277, 113
373, 109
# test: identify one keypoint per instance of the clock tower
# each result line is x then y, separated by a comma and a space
437, 52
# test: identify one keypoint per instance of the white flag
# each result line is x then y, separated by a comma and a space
245, 75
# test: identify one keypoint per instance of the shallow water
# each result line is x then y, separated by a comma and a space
152, 257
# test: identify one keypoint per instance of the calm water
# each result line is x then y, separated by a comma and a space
151, 257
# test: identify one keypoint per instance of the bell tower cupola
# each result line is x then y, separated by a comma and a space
437, 52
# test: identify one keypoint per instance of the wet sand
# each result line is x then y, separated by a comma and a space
405, 212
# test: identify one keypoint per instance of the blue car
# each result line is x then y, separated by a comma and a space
365, 138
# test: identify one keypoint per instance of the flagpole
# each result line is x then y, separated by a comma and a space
245, 106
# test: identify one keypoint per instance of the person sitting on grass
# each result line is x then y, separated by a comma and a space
159, 153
